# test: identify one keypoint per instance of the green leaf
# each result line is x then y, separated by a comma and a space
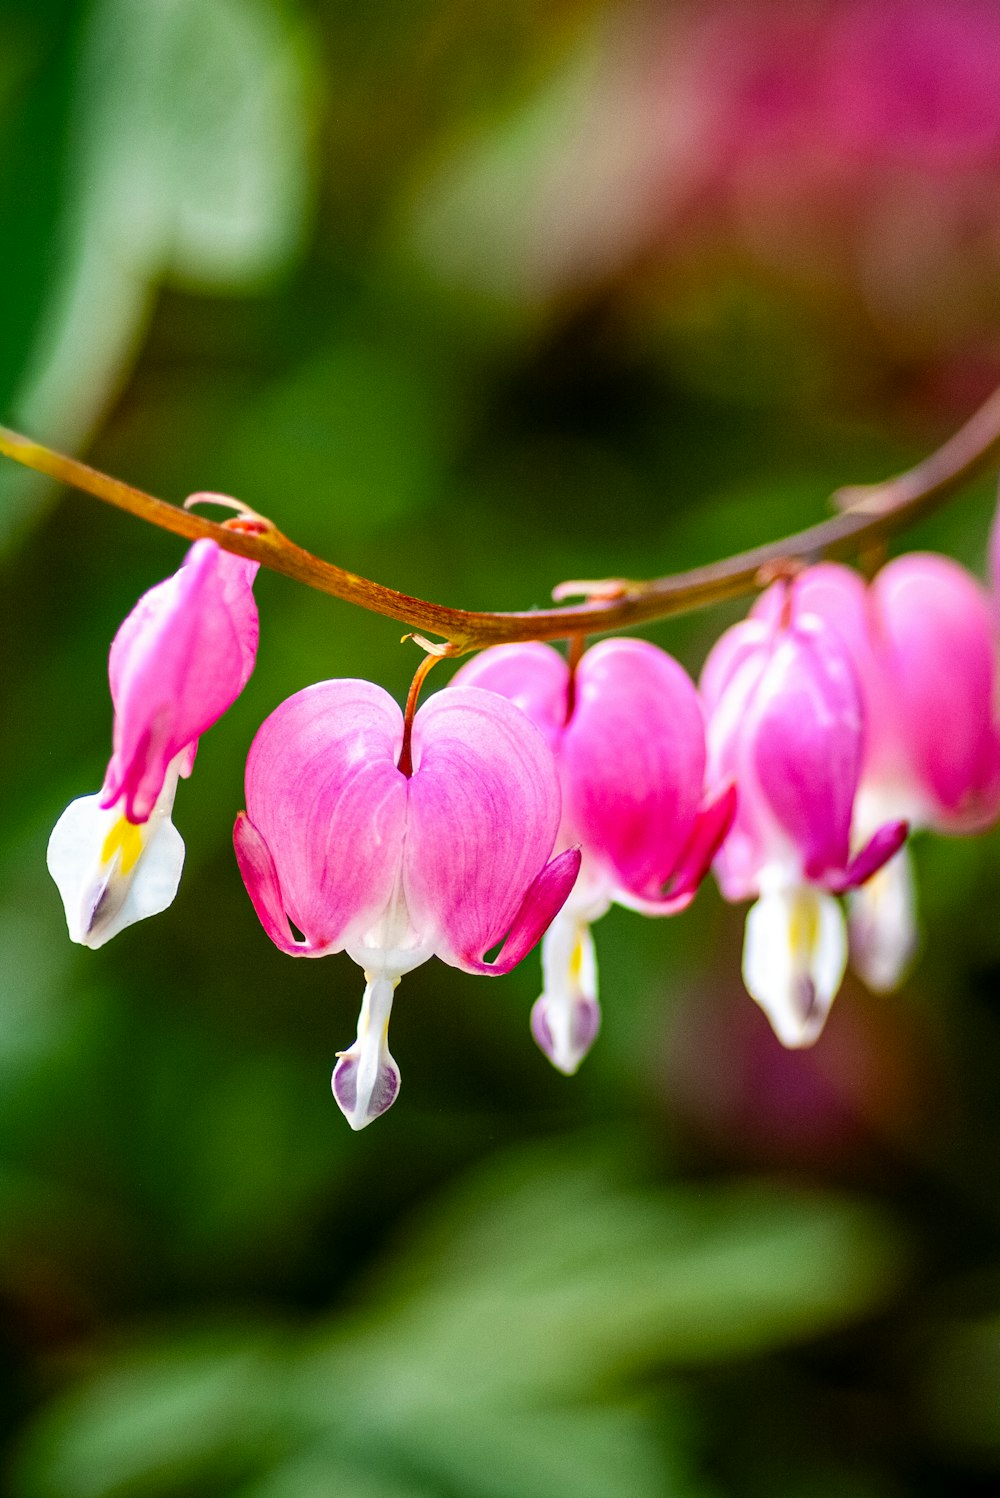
333, 1472
190, 162
585, 1452
563, 1278
179, 1410
499, 1356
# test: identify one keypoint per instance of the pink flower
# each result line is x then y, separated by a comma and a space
629, 740
935, 643
786, 721
180, 659
394, 869
921, 639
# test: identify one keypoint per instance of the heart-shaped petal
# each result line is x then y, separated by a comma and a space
483, 815
326, 799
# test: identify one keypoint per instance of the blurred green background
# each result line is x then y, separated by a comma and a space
474, 298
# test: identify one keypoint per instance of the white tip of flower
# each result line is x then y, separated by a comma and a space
794, 957
566, 1018
111, 872
366, 1079
882, 924
565, 1028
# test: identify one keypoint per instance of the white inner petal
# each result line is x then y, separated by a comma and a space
883, 924
366, 1079
111, 872
391, 946
794, 956
566, 1018
887, 801
592, 894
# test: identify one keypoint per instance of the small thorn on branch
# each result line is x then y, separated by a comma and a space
863, 499
439, 649
246, 519
784, 569
599, 590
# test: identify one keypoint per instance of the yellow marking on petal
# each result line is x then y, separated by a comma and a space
803, 923
878, 887
576, 961
124, 838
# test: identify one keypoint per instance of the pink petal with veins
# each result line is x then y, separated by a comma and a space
264, 888
730, 678
841, 599
741, 652
786, 724
179, 660
886, 842
535, 677
326, 799
631, 755
939, 654
712, 827
633, 763
807, 743
545, 898
483, 815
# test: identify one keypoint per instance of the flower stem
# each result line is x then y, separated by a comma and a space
868, 514
574, 655
405, 761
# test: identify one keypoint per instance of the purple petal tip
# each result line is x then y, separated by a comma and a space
383, 1094
580, 1025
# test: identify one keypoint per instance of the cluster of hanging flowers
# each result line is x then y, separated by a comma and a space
532, 793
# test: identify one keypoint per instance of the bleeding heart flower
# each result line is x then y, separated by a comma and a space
921, 639
179, 660
629, 740
392, 868
786, 721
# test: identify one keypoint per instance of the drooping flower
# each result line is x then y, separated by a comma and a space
179, 660
786, 722
396, 868
921, 639
629, 739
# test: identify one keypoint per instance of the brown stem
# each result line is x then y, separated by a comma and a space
574, 655
869, 514
405, 761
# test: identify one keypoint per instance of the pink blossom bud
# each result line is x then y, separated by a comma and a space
629, 741
786, 721
179, 660
392, 868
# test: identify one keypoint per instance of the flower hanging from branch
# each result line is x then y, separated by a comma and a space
922, 641
629, 738
395, 867
179, 660
538, 790
786, 721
